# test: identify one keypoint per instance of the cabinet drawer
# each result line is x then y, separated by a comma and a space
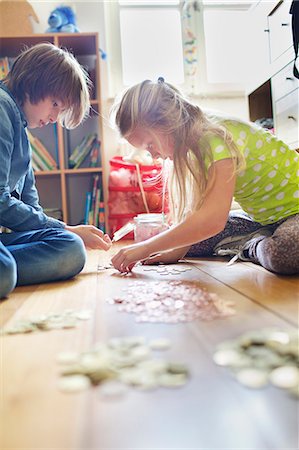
280, 28
286, 118
284, 82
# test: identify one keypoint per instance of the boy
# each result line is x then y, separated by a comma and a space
45, 84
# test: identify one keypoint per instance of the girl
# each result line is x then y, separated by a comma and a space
46, 84
213, 160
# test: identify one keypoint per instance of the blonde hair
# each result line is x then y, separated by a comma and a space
160, 106
45, 70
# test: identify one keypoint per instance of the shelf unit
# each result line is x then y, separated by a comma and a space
65, 189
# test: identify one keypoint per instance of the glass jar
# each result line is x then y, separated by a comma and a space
148, 225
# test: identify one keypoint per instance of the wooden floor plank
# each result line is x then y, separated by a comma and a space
211, 411
188, 417
276, 293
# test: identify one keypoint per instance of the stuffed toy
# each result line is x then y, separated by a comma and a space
62, 20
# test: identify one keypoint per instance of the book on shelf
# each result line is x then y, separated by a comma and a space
41, 158
4, 67
102, 216
90, 145
95, 155
87, 207
94, 207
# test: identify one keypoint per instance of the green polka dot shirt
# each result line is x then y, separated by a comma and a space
268, 188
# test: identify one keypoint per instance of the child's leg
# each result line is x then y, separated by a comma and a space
239, 223
51, 254
8, 272
279, 253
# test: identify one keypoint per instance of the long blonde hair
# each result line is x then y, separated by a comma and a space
161, 106
45, 70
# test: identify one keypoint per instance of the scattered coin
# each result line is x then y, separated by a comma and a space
228, 357
252, 378
47, 322
74, 383
121, 363
258, 357
166, 269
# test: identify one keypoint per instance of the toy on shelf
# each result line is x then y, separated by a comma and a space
62, 20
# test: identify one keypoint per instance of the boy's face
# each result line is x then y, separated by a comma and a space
41, 113
157, 143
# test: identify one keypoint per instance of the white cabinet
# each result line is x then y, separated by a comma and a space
286, 119
258, 58
283, 83
280, 29
275, 90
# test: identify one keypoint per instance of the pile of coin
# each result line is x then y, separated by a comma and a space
119, 364
45, 322
171, 302
261, 357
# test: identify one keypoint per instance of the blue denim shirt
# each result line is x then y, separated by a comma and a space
16, 173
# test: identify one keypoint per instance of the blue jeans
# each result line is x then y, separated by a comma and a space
39, 256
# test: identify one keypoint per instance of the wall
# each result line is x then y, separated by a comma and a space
90, 18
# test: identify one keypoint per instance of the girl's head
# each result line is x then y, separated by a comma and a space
156, 116
46, 73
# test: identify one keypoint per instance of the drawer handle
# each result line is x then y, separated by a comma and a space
292, 118
289, 78
267, 30
285, 24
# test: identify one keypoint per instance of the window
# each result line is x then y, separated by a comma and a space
150, 42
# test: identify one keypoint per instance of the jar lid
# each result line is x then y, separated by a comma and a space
150, 217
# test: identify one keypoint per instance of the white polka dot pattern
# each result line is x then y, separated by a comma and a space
268, 187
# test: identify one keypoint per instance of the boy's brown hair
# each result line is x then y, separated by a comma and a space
45, 70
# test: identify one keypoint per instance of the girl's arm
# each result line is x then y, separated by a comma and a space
208, 221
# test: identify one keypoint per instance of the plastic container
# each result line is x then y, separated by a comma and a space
133, 190
148, 225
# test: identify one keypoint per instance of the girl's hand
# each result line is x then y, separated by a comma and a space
92, 237
169, 257
127, 257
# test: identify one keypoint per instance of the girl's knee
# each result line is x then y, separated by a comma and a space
8, 276
279, 255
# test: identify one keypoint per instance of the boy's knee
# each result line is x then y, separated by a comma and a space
8, 275
74, 257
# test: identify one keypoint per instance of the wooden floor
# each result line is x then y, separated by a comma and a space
212, 411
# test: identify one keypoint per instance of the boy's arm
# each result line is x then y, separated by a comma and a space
15, 213
29, 193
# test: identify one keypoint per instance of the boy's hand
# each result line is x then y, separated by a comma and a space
92, 237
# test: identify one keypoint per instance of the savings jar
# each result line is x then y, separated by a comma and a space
148, 225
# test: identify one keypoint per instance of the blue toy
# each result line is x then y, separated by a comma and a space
62, 20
